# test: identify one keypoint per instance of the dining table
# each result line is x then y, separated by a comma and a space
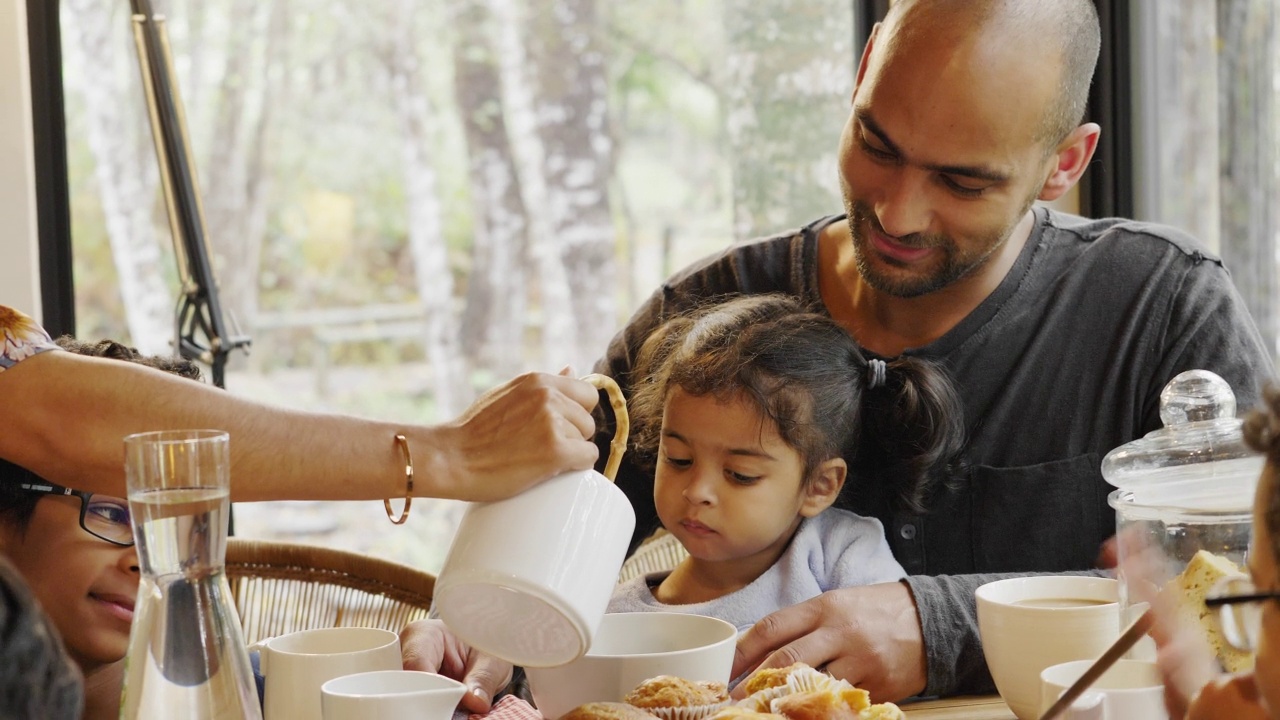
963, 707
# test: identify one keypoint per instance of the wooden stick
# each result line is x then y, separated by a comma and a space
1102, 664
622, 422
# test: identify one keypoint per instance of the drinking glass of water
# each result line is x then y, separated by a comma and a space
187, 656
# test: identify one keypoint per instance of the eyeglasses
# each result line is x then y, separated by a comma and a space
1239, 605
102, 516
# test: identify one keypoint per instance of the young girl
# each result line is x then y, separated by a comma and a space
75, 550
749, 410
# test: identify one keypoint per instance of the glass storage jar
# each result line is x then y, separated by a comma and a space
1185, 488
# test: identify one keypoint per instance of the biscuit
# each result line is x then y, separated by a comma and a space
1190, 588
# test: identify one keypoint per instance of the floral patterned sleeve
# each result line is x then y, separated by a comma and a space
20, 338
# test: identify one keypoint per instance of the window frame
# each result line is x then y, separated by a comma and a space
53, 203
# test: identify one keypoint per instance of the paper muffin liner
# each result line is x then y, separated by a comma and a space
807, 679
762, 700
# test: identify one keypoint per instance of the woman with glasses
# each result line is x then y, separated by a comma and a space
1247, 609
75, 551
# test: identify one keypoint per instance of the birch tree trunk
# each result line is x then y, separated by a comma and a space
571, 110
237, 183
788, 61
1248, 43
434, 279
549, 281
119, 137
494, 318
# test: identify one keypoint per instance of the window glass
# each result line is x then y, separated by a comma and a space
407, 202
1207, 134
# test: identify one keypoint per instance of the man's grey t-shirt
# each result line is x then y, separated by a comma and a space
1063, 362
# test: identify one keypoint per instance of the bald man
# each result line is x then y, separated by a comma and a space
1059, 331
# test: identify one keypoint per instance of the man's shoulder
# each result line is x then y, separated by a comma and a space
1125, 236
761, 264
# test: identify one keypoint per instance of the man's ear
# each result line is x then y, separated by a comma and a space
822, 491
866, 54
1070, 160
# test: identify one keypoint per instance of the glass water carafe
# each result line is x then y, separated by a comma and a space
187, 656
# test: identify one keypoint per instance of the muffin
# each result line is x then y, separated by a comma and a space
676, 698
607, 711
769, 678
821, 705
737, 712
882, 711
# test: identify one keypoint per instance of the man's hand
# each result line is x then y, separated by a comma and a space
518, 434
428, 645
869, 635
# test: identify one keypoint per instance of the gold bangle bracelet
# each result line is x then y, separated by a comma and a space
408, 490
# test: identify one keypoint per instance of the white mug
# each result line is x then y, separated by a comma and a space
391, 695
1030, 623
297, 664
527, 579
1129, 689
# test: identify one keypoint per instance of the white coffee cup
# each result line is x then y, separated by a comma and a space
528, 578
297, 664
1023, 632
391, 695
1130, 689
630, 648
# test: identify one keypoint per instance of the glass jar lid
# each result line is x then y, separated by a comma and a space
1200, 445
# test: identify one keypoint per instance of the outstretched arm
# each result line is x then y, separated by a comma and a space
68, 414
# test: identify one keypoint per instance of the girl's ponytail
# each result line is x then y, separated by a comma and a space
912, 426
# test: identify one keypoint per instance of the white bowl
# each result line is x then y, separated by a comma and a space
630, 648
1020, 640
1129, 689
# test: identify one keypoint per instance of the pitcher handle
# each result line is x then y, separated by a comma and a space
263, 652
622, 421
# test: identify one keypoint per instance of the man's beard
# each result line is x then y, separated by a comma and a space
953, 265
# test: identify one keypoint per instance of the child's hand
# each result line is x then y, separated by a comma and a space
1230, 697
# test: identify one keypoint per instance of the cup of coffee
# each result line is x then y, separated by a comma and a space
527, 579
391, 695
1129, 689
297, 664
1030, 623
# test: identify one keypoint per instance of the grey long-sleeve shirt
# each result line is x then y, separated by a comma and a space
1063, 362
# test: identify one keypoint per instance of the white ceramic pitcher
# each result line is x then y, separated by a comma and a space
528, 578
